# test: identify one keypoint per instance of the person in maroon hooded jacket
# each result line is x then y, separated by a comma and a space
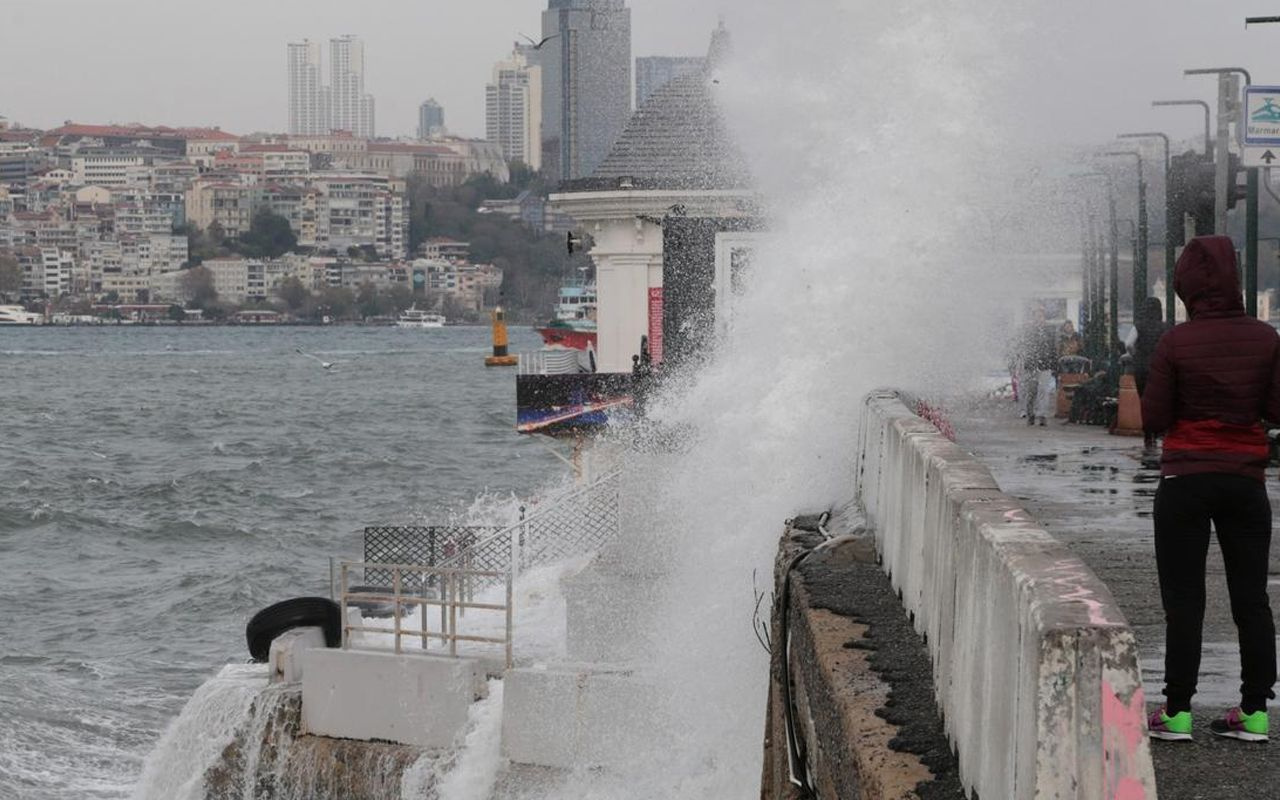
1212, 381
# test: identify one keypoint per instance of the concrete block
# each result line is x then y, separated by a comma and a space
409, 699
285, 656
586, 716
1034, 665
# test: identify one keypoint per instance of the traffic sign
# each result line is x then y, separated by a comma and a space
1261, 157
1261, 123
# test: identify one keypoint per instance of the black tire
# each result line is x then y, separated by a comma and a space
300, 612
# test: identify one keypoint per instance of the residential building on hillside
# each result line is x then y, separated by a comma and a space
430, 119
586, 83
654, 72
513, 109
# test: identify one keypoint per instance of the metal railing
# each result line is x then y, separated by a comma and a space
454, 598
576, 523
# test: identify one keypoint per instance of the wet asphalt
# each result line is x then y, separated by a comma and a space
1093, 492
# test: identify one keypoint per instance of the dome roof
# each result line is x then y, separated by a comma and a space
678, 140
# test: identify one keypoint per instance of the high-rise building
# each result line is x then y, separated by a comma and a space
654, 72
513, 109
586, 83
430, 119
316, 109
351, 109
308, 114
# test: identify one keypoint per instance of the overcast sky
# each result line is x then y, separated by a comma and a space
178, 62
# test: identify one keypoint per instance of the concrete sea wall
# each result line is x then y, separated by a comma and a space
1035, 668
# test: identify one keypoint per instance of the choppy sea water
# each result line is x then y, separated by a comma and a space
160, 485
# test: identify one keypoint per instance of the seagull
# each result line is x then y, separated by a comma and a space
538, 45
323, 363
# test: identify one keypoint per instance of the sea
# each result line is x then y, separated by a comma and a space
159, 485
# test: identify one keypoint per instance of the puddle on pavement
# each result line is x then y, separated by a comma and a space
1219, 685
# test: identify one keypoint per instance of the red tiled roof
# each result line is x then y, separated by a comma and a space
142, 132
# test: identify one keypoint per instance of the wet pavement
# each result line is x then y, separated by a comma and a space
1094, 492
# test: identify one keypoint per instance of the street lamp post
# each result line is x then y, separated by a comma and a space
1140, 266
1098, 338
1169, 223
1222, 176
1208, 142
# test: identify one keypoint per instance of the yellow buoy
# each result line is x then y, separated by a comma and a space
500, 358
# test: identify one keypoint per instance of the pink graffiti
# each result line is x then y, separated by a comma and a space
1016, 515
1123, 729
938, 417
1073, 575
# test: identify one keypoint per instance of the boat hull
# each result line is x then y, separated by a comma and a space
567, 337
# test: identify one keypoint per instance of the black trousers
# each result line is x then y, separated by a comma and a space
1241, 515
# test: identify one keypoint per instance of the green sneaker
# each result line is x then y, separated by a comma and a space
1235, 724
1172, 729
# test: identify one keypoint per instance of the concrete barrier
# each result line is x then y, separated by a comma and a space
578, 716
1035, 668
407, 699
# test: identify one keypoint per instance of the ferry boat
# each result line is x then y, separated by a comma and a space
17, 315
417, 318
574, 324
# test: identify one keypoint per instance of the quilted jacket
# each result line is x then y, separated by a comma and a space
1214, 378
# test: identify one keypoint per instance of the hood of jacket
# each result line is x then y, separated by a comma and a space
1206, 279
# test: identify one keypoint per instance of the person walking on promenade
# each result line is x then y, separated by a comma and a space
1211, 383
1039, 361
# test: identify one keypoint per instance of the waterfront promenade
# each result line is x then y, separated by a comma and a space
1093, 492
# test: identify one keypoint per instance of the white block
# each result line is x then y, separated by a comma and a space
409, 699
285, 656
570, 717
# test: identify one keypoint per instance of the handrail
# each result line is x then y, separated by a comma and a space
507, 531
455, 599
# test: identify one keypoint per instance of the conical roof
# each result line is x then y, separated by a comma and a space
678, 140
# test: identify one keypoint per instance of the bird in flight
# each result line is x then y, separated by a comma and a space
538, 45
323, 363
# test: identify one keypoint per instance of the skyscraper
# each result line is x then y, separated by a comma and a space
307, 112
430, 119
586, 83
513, 109
352, 110
654, 72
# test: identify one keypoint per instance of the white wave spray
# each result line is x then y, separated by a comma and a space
878, 271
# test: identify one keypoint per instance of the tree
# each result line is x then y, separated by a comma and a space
292, 292
10, 274
399, 297
370, 301
198, 286
269, 236
176, 313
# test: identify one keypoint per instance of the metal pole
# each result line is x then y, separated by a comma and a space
1114, 326
1100, 292
1251, 243
1170, 256
1086, 263
1140, 270
1220, 173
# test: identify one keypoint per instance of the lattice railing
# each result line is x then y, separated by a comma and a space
572, 524
577, 523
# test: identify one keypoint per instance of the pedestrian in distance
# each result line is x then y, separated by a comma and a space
1212, 381
1039, 363
1147, 330
1069, 343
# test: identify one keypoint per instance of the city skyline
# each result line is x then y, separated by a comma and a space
411, 54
